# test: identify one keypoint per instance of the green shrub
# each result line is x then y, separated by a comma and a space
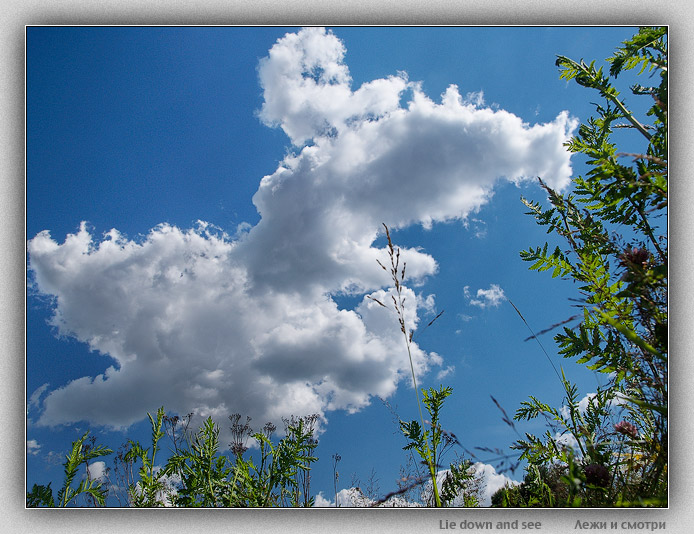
617, 255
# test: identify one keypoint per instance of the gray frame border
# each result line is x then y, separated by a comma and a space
17, 14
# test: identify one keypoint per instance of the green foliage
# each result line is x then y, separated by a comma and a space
584, 428
81, 454
210, 479
460, 481
432, 444
203, 471
197, 474
150, 490
616, 253
281, 464
556, 261
40, 496
538, 489
427, 443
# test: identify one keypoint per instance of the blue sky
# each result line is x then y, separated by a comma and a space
292, 158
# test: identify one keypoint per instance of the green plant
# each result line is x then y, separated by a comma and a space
431, 445
586, 429
282, 463
543, 487
617, 254
80, 454
276, 480
203, 472
302, 429
459, 481
209, 479
149, 491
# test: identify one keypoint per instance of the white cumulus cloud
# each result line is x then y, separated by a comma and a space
492, 297
491, 482
197, 320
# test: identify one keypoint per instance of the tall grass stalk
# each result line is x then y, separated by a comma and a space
398, 276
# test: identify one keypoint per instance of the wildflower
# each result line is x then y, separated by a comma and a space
626, 428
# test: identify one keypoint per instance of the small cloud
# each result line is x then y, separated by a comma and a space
582, 405
491, 297
346, 498
475, 99
33, 447
322, 502
168, 489
445, 372
428, 304
465, 318
478, 226
484, 483
486, 480
35, 398
54, 458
